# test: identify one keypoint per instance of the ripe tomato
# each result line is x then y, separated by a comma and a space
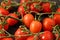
27, 19
3, 11
56, 35
35, 7
23, 1
58, 10
48, 24
47, 36
2, 34
4, 3
46, 7
35, 26
5, 27
12, 21
7, 39
57, 18
20, 32
32, 38
21, 10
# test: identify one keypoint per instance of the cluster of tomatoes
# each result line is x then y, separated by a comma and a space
37, 18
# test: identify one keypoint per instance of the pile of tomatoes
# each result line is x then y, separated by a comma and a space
34, 20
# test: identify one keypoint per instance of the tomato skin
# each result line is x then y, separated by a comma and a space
4, 4
31, 38
19, 32
57, 18
5, 27
33, 7
2, 34
7, 39
47, 36
23, 1
35, 26
3, 11
56, 35
48, 24
46, 7
12, 21
21, 10
58, 10
27, 19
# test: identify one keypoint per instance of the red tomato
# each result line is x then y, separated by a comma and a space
23, 1
57, 18
4, 4
35, 7
46, 7
58, 10
32, 38
7, 39
20, 32
12, 21
48, 24
47, 36
5, 27
35, 26
3, 11
21, 10
2, 34
56, 35
27, 19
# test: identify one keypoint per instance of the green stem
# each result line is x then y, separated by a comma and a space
14, 18
7, 32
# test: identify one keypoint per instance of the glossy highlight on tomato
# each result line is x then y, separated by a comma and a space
18, 32
27, 19
35, 26
48, 24
47, 35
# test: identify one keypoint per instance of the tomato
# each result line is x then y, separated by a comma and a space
58, 10
7, 39
4, 3
3, 11
20, 32
12, 21
57, 18
35, 26
5, 27
47, 36
2, 34
48, 24
21, 10
35, 7
32, 38
23, 1
56, 35
27, 19
46, 7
